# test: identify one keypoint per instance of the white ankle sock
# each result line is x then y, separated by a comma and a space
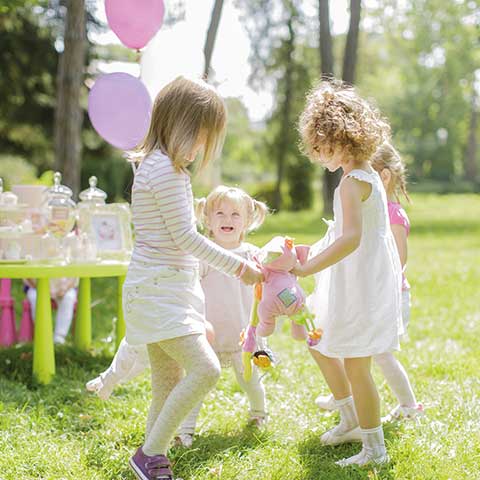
374, 442
348, 414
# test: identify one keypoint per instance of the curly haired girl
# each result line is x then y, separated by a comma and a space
357, 300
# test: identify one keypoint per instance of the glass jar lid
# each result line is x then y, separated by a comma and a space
58, 190
93, 194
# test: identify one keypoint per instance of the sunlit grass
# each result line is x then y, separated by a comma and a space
60, 432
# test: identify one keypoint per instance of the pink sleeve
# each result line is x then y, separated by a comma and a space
398, 216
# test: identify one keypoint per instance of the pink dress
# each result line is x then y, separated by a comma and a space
228, 303
398, 216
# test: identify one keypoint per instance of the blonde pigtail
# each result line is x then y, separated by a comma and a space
259, 214
200, 204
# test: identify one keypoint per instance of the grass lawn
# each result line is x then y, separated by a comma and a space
61, 432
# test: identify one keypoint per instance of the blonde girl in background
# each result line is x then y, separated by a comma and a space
227, 216
389, 165
164, 304
359, 308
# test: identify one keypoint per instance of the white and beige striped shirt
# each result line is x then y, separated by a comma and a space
164, 220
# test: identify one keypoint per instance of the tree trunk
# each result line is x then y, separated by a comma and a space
214, 172
326, 46
471, 169
286, 115
330, 180
351, 46
211, 36
68, 113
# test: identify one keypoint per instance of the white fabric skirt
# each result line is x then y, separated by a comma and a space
162, 302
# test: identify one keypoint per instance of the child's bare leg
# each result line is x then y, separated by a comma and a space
334, 373
367, 404
367, 401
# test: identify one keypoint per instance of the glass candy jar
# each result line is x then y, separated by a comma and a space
59, 208
92, 195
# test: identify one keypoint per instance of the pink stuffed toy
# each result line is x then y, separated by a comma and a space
281, 295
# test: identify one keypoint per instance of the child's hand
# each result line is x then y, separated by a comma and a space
298, 270
252, 275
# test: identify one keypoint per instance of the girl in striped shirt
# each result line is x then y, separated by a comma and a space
164, 303
228, 214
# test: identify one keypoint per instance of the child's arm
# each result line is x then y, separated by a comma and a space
352, 193
400, 235
170, 191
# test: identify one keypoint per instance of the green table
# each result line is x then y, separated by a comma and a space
43, 351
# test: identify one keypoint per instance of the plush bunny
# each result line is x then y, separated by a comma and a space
280, 294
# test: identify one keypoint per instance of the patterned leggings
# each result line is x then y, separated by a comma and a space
173, 394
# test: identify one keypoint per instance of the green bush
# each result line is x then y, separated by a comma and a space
16, 170
456, 186
299, 177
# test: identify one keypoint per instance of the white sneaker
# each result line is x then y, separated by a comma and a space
337, 435
364, 458
101, 387
326, 402
404, 413
184, 440
257, 421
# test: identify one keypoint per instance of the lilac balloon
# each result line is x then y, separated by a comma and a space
119, 107
135, 21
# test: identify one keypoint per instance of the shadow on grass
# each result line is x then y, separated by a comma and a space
189, 463
318, 461
16, 364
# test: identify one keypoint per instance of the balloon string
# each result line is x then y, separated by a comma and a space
139, 61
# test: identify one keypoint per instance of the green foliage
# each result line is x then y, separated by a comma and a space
423, 76
244, 155
27, 83
300, 188
281, 57
15, 170
61, 432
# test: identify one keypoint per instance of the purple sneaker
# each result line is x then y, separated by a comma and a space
152, 467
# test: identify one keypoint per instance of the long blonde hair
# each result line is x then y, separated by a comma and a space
255, 211
182, 111
386, 156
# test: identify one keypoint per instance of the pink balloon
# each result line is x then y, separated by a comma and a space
135, 21
119, 107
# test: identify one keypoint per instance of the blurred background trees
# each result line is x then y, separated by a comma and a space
419, 60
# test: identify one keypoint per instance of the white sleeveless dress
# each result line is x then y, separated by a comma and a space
357, 301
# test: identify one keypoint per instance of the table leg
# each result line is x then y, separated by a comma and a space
43, 352
120, 327
83, 322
